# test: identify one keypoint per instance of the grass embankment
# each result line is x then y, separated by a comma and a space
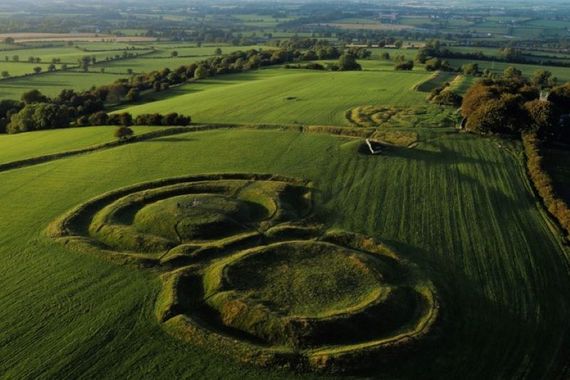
454, 204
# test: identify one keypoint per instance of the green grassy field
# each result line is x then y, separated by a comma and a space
146, 65
287, 96
52, 83
21, 68
39, 143
458, 205
562, 73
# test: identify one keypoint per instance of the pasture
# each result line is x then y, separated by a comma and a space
281, 96
457, 205
28, 145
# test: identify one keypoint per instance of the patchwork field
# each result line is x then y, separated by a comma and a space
27, 145
458, 206
280, 96
51, 84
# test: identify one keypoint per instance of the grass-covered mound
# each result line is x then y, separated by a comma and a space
395, 117
337, 302
259, 279
173, 218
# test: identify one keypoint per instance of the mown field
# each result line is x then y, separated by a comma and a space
458, 205
287, 96
51, 84
149, 56
27, 145
562, 73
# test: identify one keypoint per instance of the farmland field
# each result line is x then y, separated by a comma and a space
277, 96
460, 209
51, 84
19, 147
284, 190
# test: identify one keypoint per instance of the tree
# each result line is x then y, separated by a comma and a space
123, 133
16, 58
421, 56
9, 41
201, 72
133, 95
560, 96
433, 64
512, 73
33, 96
404, 65
542, 117
125, 119
174, 53
385, 56
130, 71
99, 118
347, 62
37, 69
503, 115
5, 74
218, 51
51, 68
542, 78
399, 44
84, 63
470, 69
39, 116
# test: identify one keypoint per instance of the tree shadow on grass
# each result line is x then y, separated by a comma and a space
475, 336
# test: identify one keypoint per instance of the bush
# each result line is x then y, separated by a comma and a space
347, 62
542, 117
405, 65
99, 118
123, 133
446, 98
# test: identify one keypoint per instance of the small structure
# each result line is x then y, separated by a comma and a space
374, 147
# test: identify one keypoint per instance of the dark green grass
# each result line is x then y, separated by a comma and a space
457, 204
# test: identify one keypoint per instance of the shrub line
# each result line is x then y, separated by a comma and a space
542, 182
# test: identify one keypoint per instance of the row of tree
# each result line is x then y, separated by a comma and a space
126, 119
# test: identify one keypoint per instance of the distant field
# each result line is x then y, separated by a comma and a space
20, 68
32, 37
562, 73
367, 26
34, 144
145, 65
287, 96
69, 55
52, 83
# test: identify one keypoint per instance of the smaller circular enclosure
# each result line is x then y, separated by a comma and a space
198, 217
304, 278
